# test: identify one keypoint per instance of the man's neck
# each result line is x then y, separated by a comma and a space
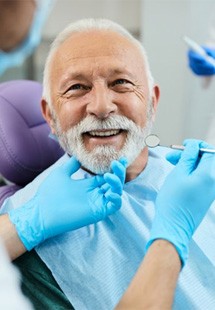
137, 166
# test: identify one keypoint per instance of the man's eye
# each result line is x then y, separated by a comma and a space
122, 85
77, 90
120, 82
78, 87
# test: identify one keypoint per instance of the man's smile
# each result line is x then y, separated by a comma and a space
103, 132
114, 137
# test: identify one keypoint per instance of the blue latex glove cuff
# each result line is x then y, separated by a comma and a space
30, 232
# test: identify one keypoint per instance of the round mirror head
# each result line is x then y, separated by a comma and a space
152, 140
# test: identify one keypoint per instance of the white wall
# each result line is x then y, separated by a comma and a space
186, 108
125, 12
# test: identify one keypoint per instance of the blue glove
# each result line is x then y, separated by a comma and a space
62, 204
199, 64
184, 198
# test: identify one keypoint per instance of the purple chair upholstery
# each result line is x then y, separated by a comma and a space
25, 147
7, 191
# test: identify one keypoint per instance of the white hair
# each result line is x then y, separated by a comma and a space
86, 25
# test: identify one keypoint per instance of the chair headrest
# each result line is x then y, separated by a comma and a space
25, 147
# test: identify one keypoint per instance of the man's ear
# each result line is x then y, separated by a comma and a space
155, 99
46, 112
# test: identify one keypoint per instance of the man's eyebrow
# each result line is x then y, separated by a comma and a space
71, 76
81, 76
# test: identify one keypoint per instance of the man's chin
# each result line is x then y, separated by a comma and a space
97, 166
97, 161
95, 171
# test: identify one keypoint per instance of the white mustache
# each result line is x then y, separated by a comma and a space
91, 123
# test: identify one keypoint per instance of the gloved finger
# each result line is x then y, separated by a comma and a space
199, 64
207, 160
95, 181
114, 203
210, 51
71, 166
193, 56
124, 161
202, 144
105, 187
190, 156
206, 145
114, 181
119, 168
198, 70
206, 168
92, 182
202, 67
174, 156
192, 141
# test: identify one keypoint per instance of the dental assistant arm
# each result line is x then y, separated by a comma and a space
9, 236
62, 204
181, 204
153, 286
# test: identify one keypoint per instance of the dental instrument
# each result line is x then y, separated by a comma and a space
153, 141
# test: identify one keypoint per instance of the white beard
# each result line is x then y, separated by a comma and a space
99, 159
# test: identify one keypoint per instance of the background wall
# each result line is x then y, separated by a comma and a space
187, 107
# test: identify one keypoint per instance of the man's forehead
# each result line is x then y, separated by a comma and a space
89, 50
105, 67
95, 43
95, 56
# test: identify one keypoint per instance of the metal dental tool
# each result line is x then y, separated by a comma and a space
153, 141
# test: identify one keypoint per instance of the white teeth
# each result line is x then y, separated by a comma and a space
104, 133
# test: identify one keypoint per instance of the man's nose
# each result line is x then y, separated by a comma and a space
101, 103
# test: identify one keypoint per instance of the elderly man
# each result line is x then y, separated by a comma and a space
100, 101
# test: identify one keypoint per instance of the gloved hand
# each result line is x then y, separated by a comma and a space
174, 156
184, 198
62, 204
199, 64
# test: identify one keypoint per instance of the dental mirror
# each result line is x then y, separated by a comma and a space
153, 141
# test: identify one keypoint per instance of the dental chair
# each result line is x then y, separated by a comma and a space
25, 146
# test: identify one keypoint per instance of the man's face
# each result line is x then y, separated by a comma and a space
100, 97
